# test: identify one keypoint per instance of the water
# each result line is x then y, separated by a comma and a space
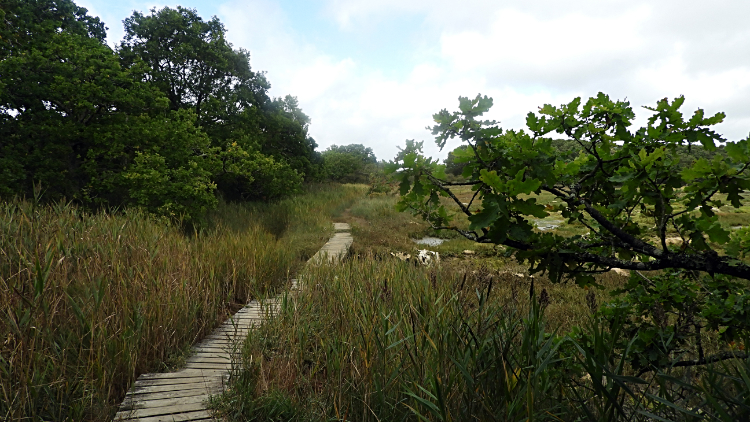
429, 241
547, 224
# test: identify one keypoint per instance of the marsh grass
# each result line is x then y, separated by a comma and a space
377, 340
385, 340
475, 338
90, 301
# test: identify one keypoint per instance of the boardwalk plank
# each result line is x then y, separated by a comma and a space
146, 397
180, 396
212, 388
176, 381
186, 415
150, 404
183, 374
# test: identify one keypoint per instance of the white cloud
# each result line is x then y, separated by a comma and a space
523, 54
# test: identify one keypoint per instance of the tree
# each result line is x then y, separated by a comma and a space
195, 66
347, 162
78, 122
453, 167
190, 60
618, 174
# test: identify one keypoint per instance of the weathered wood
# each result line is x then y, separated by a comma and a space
182, 374
131, 398
200, 365
186, 415
150, 404
211, 387
175, 381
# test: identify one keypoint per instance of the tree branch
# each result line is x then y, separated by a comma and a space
719, 357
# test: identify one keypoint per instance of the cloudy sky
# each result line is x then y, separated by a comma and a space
374, 71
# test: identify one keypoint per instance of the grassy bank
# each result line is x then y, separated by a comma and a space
476, 338
90, 301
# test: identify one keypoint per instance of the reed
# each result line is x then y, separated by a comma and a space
475, 338
91, 300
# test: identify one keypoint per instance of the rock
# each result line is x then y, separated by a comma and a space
672, 241
428, 258
402, 256
620, 271
519, 275
468, 252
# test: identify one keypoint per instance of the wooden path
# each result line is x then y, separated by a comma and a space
181, 395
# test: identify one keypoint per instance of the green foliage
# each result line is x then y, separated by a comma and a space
88, 129
616, 173
189, 58
159, 124
665, 316
348, 163
455, 162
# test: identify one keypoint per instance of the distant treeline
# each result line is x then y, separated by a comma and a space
571, 149
168, 120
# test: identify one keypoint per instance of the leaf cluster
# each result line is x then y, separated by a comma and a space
614, 175
166, 121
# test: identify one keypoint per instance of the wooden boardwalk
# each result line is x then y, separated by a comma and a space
181, 395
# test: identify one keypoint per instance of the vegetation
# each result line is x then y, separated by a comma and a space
349, 163
151, 125
90, 301
381, 339
617, 174
147, 155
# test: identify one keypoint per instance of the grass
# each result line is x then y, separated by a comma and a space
90, 301
378, 339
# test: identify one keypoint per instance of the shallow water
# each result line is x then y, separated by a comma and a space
545, 224
429, 241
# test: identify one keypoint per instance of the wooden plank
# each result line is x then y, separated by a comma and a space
199, 365
148, 389
200, 359
167, 412
198, 380
207, 349
203, 415
249, 321
214, 355
224, 339
150, 404
182, 374
231, 329
145, 397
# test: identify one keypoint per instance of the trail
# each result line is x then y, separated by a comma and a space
182, 395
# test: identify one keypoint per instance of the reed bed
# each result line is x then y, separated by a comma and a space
473, 338
388, 341
90, 301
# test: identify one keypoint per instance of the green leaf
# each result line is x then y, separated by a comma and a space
738, 151
530, 207
518, 185
485, 217
492, 179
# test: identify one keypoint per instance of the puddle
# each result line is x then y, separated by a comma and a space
429, 241
545, 224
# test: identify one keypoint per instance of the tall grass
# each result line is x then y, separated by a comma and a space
476, 338
90, 301
387, 341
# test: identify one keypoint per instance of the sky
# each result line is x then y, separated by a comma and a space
374, 72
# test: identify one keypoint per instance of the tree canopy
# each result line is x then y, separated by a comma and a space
166, 120
348, 162
618, 173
